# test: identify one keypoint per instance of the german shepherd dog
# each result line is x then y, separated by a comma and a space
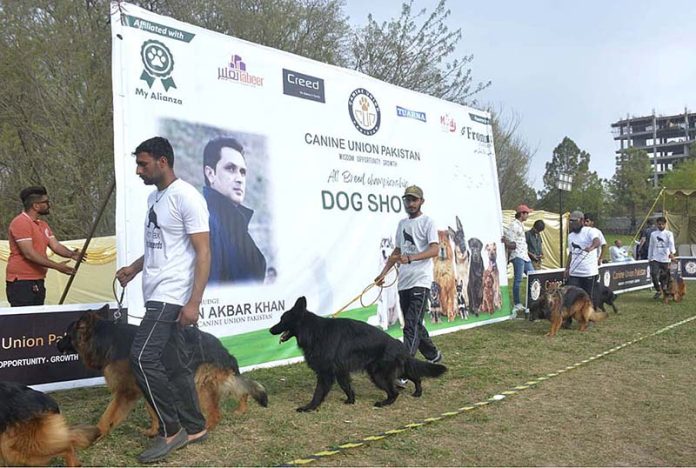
461, 265
435, 305
565, 302
475, 286
335, 347
32, 430
672, 284
104, 345
443, 269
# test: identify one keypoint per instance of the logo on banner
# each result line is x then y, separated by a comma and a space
303, 86
479, 119
364, 111
410, 114
470, 134
690, 267
606, 278
236, 70
159, 64
448, 124
535, 289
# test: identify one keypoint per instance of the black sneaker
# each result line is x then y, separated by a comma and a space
437, 358
160, 448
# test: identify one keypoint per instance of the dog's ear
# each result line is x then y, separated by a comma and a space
459, 224
452, 232
300, 303
105, 309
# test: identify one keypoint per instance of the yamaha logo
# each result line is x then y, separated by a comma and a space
364, 111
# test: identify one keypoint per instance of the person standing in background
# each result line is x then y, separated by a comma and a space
28, 263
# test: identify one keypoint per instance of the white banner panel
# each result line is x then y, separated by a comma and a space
328, 153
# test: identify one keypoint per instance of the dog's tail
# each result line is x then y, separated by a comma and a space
239, 387
422, 368
82, 435
596, 316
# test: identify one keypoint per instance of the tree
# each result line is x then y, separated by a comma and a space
684, 175
631, 186
404, 53
513, 156
588, 191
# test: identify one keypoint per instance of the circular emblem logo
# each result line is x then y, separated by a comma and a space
607, 278
690, 267
535, 290
364, 111
157, 59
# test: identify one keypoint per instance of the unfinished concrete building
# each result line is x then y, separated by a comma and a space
666, 139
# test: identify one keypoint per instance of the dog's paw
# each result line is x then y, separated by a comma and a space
349, 401
417, 393
379, 404
305, 409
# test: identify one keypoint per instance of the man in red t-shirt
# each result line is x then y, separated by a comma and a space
29, 236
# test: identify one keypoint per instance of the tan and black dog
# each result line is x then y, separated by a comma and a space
561, 303
105, 345
32, 430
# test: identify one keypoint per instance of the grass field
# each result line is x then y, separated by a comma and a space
632, 407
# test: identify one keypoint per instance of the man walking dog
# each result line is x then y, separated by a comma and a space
416, 245
175, 269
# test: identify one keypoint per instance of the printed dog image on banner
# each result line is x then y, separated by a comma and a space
444, 276
476, 268
492, 299
461, 264
32, 430
388, 307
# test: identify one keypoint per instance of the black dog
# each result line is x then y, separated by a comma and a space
333, 348
475, 287
603, 295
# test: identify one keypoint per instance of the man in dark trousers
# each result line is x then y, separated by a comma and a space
416, 245
29, 237
175, 269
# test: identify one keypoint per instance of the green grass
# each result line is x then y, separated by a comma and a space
633, 407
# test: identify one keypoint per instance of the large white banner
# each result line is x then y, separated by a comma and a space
328, 153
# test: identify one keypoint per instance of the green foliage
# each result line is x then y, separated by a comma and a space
683, 177
631, 187
588, 192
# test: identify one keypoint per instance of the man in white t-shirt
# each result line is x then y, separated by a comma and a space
582, 266
590, 221
521, 263
416, 243
661, 252
175, 269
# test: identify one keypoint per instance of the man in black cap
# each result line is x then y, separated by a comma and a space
416, 245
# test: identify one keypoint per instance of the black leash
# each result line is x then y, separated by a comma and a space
119, 307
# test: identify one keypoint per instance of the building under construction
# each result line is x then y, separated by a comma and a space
666, 139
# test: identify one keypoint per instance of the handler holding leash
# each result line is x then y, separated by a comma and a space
175, 270
582, 266
416, 245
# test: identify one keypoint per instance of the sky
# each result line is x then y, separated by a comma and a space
571, 68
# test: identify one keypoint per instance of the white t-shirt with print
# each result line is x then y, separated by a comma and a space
661, 245
515, 233
583, 264
413, 236
168, 263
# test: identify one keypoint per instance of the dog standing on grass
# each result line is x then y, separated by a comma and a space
32, 430
565, 302
334, 348
104, 345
